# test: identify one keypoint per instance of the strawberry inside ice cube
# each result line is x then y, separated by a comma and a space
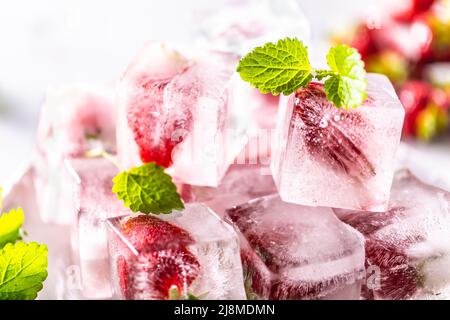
409, 243
181, 114
341, 158
185, 253
296, 252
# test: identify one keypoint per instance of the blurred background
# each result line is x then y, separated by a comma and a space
52, 42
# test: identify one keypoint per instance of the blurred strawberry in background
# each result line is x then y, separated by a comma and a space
402, 41
409, 9
426, 109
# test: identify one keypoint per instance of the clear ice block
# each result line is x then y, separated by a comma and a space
240, 184
295, 252
185, 253
89, 199
73, 120
408, 246
242, 25
325, 156
239, 27
183, 114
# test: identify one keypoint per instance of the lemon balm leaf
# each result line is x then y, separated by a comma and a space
276, 68
346, 85
10, 225
147, 189
23, 269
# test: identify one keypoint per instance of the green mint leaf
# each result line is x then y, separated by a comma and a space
277, 68
346, 86
191, 296
320, 74
23, 269
147, 189
10, 224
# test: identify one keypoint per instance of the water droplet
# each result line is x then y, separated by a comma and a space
336, 118
296, 100
323, 123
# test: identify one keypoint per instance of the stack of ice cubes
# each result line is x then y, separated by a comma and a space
323, 222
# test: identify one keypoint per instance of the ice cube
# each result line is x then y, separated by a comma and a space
239, 27
242, 25
408, 246
89, 199
296, 252
325, 156
73, 120
187, 119
240, 184
185, 253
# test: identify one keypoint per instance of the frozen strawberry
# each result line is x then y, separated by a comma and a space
123, 273
389, 256
370, 222
146, 231
408, 246
297, 252
268, 246
185, 254
163, 259
147, 119
328, 156
329, 141
141, 93
398, 279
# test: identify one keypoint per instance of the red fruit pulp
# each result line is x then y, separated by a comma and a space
163, 258
148, 120
329, 132
399, 280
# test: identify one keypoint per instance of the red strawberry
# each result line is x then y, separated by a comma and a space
265, 258
153, 131
163, 261
123, 273
426, 107
270, 245
413, 8
399, 280
370, 222
146, 231
260, 284
329, 134
414, 97
440, 44
363, 41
